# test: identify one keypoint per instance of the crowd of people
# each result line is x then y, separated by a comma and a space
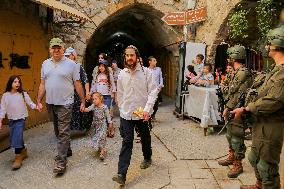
74, 103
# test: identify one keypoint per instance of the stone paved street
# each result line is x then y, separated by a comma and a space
182, 158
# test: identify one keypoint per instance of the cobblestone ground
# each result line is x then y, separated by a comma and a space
182, 158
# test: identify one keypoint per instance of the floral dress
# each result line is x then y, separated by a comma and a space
99, 127
80, 121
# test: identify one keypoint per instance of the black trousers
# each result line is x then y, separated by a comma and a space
127, 133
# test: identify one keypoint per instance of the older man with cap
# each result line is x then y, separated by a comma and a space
59, 77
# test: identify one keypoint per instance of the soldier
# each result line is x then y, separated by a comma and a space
240, 82
268, 110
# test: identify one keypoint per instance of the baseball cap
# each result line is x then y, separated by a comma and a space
69, 51
56, 42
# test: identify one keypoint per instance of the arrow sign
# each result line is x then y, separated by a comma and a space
183, 18
175, 18
196, 15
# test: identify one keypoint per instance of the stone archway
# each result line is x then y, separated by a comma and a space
138, 24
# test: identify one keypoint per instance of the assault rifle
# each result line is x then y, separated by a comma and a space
241, 103
221, 103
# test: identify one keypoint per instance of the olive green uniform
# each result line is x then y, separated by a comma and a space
252, 92
240, 82
267, 137
225, 86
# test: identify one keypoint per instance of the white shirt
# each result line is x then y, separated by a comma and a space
198, 68
157, 76
15, 105
116, 73
101, 84
135, 89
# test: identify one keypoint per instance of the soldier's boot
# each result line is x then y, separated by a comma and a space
229, 160
257, 185
272, 184
236, 170
24, 153
18, 162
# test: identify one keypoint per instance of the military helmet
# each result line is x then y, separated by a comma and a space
237, 52
276, 37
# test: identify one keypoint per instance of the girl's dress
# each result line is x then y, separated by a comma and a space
14, 105
101, 118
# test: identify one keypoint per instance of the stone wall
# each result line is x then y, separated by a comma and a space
100, 10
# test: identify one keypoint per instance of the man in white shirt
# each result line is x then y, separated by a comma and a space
158, 79
135, 90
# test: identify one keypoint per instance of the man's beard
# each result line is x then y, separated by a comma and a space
131, 66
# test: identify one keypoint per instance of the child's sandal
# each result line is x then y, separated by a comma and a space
102, 155
59, 169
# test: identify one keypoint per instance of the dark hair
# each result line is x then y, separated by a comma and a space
150, 58
281, 49
104, 55
191, 69
10, 82
242, 61
201, 56
107, 74
209, 66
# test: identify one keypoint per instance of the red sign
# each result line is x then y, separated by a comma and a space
196, 15
175, 18
183, 18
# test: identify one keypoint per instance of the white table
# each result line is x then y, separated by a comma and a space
202, 103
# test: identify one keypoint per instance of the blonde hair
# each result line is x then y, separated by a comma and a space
99, 95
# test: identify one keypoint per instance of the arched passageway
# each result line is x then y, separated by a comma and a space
137, 24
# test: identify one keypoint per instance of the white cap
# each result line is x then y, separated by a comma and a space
69, 51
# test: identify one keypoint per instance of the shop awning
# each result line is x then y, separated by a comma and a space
57, 5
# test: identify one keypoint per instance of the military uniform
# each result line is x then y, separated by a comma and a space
225, 86
268, 126
252, 92
240, 82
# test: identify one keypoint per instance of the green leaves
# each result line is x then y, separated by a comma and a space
266, 12
239, 25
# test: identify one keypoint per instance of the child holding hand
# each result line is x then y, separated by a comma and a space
13, 103
101, 123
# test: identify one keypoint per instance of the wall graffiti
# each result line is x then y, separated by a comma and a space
16, 60
19, 61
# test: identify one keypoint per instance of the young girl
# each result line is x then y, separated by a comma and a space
101, 123
103, 83
13, 103
190, 72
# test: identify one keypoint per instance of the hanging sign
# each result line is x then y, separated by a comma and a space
184, 18
195, 15
175, 18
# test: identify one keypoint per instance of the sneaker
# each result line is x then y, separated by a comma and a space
119, 178
145, 164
